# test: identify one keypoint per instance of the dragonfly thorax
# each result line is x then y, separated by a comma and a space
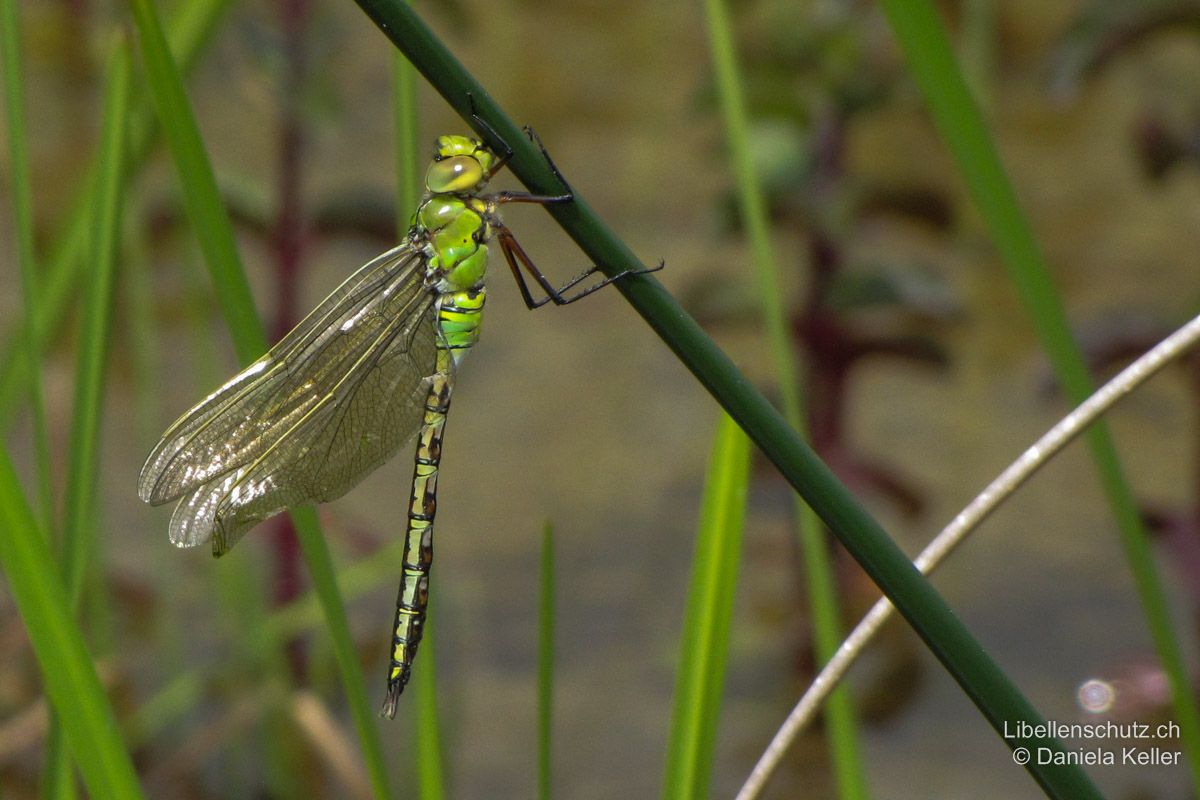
453, 232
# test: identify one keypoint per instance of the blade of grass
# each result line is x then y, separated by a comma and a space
429, 753
191, 29
56, 774
979, 43
931, 59
71, 680
83, 443
841, 729
214, 232
409, 185
545, 675
205, 208
83, 462
947, 638
704, 650
22, 203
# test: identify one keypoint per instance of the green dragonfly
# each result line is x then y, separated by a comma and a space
370, 368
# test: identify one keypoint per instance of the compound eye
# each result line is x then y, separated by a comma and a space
454, 174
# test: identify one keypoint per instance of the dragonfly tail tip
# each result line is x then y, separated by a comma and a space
391, 699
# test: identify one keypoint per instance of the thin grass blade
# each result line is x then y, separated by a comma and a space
71, 680
57, 779
545, 682
429, 753
841, 729
205, 208
700, 677
325, 586
22, 202
83, 462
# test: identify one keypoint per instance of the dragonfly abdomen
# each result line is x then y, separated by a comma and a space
460, 316
452, 230
413, 599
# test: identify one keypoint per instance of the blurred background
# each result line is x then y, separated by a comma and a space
925, 380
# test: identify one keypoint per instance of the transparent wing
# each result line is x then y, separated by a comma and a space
350, 432
229, 427
334, 399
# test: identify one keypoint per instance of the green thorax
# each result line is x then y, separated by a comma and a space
452, 226
453, 221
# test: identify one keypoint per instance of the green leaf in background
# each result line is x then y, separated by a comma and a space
71, 680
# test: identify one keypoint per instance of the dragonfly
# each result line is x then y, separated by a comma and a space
371, 368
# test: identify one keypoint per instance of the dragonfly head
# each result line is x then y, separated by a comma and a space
460, 164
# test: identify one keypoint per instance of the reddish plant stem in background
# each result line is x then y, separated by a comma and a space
287, 241
824, 340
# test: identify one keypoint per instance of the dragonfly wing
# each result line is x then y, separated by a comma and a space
356, 427
235, 424
194, 519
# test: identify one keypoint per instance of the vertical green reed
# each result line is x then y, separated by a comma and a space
22, 203
822, 587
57, 766
80, 509
545, 673
704, 649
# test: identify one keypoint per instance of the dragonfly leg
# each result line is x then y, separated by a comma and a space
505, 151
413, 599
525, 197
533, 137
519, 260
